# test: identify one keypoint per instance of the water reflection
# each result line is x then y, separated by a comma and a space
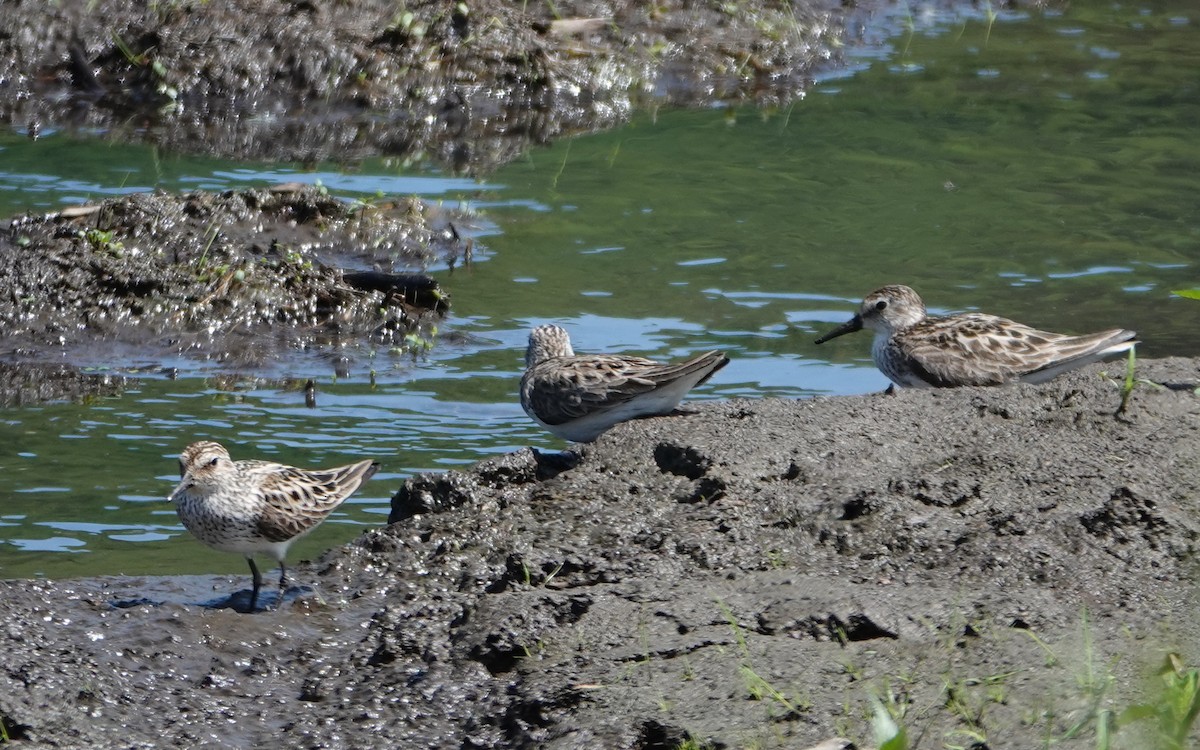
1043, 168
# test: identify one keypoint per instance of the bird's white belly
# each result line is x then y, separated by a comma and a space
892, 366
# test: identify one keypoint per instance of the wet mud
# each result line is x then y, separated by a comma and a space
242, 278
470, 85
748, 575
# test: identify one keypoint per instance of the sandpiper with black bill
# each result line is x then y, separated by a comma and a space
917, 350
258, 507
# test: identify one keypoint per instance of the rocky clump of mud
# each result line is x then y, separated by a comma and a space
472, 84
235, 277
999, 566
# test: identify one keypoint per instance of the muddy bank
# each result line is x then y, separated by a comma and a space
258, 275
242, 278
745, 576
470, 84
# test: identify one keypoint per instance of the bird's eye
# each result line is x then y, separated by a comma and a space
215, 461
881, 304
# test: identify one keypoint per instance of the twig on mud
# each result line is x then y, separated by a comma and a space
211, 231
220, 288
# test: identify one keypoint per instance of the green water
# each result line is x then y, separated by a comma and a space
1043, 167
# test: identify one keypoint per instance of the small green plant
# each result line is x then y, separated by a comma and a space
143, 60
417, 344
549, 577
534, 652
404, 25
1095, 685
757, 687
1175, 711
1130, 382
562, 167
889, 733
362, 204
992, 14
102, 241
294, 257
1051, 657
961, 702
1188, 294
211, 231
689, 672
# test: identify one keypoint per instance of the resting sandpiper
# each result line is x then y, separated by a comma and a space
577, 397
968, 349
257, 507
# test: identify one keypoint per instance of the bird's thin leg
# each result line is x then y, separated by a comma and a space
257, 582
282, 582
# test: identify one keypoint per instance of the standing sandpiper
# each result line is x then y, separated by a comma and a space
968, 349
577, 397
257, 507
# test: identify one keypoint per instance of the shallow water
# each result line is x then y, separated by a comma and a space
1043, 167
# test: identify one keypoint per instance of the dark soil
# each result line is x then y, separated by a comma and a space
745, 576
241, 278
471, 84
1001, 566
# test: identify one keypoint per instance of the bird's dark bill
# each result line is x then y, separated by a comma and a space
850, 326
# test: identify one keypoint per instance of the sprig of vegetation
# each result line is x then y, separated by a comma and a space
211, 231
889, 733
1131, 381
161, 75
757, 686
102, 241
1175, 711
1129, 384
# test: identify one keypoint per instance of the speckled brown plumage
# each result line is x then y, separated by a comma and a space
913, 349
257, 507
579, 396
